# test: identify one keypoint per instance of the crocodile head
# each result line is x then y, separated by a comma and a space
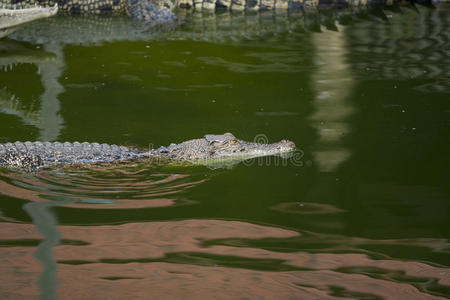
221, 148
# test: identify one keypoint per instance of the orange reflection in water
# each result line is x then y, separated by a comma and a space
174, 281
20, 272
134, 247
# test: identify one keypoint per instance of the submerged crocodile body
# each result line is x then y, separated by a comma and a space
32, 156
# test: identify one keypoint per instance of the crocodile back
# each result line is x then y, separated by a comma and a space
36, 155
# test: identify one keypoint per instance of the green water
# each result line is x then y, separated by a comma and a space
361, 211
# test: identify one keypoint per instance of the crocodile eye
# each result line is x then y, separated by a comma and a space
232, 142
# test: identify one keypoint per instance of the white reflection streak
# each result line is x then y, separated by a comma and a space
51, 122
333, 83
48, 118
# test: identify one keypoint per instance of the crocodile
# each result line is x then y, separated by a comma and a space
147, 11
12, 19
161, 11
210, 149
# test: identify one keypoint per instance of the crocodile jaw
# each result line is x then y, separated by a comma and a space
11, 19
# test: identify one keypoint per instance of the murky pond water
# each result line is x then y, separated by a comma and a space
362, 210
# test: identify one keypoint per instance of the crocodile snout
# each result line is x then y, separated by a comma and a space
286, 145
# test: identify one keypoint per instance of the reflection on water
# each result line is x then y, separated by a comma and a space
12, 55
333, 83
51, 122
105, 187
322, 230
45, 223
409, 50
117, 187
171, 256
50, 65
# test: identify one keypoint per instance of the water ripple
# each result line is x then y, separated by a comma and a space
123, 186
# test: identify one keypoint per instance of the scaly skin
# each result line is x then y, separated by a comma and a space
261, 5
12, 19
32, 156
159, 11
147, 11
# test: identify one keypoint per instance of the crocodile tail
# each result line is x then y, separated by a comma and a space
262, 5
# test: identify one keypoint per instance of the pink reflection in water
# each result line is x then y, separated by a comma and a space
19, 273
143, 280
175, 281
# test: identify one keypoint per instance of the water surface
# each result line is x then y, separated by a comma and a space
362, 210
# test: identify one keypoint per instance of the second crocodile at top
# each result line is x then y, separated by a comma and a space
160, 11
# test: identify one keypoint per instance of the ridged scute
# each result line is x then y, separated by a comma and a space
36, 155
